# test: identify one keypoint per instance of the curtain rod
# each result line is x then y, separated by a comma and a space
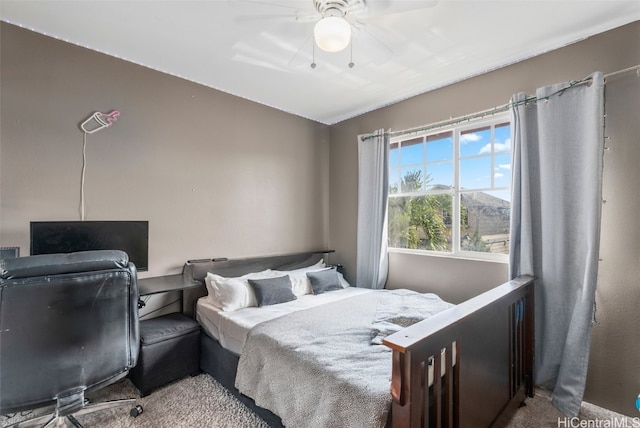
626, 70
492, 111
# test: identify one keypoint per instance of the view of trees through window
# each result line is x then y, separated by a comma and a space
449, 191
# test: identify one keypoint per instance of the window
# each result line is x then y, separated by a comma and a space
449, 192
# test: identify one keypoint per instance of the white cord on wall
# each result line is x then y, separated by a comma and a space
84, 168
93, 123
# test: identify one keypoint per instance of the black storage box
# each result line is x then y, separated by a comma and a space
169, 350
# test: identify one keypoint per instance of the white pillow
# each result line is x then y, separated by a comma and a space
343, 281
299, 282
317, 266
231, 294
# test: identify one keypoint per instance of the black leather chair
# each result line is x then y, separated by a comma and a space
68, 325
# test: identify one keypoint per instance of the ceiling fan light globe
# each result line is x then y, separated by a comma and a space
332, 33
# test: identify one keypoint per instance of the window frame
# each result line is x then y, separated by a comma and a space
455, 191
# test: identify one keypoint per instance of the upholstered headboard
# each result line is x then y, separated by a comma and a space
194, 271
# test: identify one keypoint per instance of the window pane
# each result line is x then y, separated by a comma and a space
412, 180
475, 173
484, 222
394, 159
430, 169
440, 175
394, 180
440, 147
502, 171
412, 152
475, 142
502, 138
421, 222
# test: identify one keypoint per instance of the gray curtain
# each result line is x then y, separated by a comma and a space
555, 225
372, 262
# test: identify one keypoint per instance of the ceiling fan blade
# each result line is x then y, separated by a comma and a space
356, 6
380, 32
287, 12
389, 7
295, 5
281, 18
243, 19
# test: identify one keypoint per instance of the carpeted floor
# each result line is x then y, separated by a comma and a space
192, 402
199, 402
540, 413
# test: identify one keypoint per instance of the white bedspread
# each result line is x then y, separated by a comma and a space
231, 328
318, 368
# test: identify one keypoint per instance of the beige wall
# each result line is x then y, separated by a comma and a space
214, 174
611, 382
220, 176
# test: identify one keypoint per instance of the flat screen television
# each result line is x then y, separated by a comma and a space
132, 237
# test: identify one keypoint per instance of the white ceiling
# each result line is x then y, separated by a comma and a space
260, 51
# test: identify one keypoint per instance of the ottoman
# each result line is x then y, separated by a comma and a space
169, 350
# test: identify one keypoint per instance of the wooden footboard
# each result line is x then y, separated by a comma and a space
486, 345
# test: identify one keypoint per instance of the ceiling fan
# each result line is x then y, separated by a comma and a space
336, 22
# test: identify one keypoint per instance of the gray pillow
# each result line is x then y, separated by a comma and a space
324, 280
270, 291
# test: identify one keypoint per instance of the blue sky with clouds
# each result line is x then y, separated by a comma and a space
476, 170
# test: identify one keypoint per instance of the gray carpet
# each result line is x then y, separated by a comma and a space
195, 402
539, 413
200, 401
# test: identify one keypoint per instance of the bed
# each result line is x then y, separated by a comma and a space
482, 350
